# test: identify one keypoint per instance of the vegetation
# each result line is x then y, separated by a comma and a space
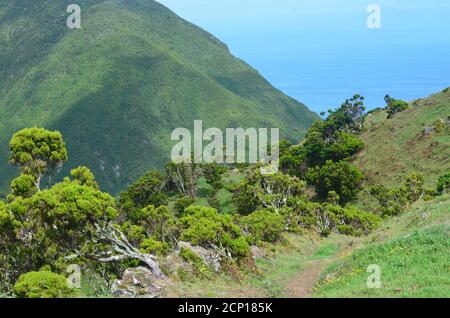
411, 251
117, 103
42, 284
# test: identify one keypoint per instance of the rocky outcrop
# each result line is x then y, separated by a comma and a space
210, 257
138, 282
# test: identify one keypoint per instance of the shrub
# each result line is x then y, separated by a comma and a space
341, 177
327, 218
443, 184
206, 227
394, 106
182, 203
263, 225
154, 247
43, 284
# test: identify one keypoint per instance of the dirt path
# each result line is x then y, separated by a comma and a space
303, 283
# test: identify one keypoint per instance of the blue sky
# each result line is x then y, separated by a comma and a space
321, 52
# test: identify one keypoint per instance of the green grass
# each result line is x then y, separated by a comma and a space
412, 251
394, 148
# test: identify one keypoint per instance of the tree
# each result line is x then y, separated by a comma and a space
36, 151
394, 106
267, 191
184, 177
147, 190
340, 177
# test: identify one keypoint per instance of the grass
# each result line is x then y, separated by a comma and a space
394, 148
412, 251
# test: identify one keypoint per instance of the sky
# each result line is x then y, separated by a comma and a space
322, 52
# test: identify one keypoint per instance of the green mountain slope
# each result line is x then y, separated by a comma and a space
415, 140
117, 87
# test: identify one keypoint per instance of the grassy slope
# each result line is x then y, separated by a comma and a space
119, 86
396, 147
412, 251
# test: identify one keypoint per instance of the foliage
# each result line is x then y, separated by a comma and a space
267, 191
341, 177
24, 186
394, 106
147, 190
443, 183
84, 176
200, 267
42, 284
51, 225
263, 225
394, 201
183, 176
37, 151
327, 218
159, 223
182, 203
206, 227
154, 247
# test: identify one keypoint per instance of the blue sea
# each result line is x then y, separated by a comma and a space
322, 52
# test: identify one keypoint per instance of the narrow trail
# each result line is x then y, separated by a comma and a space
303, 283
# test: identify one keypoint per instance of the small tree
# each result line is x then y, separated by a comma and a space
184, 177
37, 151
394, 106
340, 177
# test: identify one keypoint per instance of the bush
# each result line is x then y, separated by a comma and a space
394, 201
182, 203
43, 284
341, 177
206, 227
154, 247
263, 225
443, 184
394, 106
327, 218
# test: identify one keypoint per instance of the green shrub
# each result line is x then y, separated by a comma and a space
182, 203
443, 184
154, 247
44, 284
263, 225
327, 218
394, 106
205, 227
341, 177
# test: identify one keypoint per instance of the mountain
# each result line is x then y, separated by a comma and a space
117, 87
414, 140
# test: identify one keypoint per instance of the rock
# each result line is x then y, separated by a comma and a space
209, 256
428, 131
137, 282
257, 252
